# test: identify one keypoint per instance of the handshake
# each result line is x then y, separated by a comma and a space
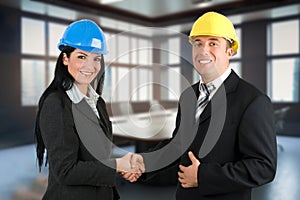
131, 166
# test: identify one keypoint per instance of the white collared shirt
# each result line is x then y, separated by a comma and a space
217, 82
76, 96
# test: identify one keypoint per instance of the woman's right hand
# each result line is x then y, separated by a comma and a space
132, 163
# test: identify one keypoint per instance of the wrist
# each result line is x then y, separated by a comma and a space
118, 165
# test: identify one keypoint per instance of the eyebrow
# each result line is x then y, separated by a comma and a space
87, 54
212, 39
82, 53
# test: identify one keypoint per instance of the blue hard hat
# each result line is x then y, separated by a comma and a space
85, 35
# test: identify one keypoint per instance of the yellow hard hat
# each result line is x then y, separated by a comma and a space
215, 24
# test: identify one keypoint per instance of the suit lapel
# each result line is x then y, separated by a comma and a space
86, 110
90, 130
104, 119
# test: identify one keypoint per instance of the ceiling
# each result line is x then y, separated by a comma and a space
179, 14
169, 12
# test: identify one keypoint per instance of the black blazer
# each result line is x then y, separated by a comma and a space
74, 173
244, 155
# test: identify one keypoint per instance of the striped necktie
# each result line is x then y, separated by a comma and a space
205, 90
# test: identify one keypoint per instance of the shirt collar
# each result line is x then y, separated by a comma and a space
76, 95
218, 81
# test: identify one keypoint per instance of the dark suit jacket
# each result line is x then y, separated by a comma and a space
75, 173
243, 155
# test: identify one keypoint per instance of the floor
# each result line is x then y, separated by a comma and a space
18, 169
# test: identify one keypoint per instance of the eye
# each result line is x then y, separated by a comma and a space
196, 44
81, 57
212, 44
97, 59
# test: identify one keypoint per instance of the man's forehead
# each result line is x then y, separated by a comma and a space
200, 38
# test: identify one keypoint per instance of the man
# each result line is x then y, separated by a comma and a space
234, 146
244, 155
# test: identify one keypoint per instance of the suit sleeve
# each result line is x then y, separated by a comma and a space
168, 174
256, 142
62, 144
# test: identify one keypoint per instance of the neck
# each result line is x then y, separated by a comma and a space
83, 88
209, 77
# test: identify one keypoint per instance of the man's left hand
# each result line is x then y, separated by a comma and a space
188, 176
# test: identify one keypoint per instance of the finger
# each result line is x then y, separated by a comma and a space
137, 160
126, 175
192, 157
132, 176
132, 180
180, 175
135, 163
141, 167
137, 175
182, 168
185, 185
181, 180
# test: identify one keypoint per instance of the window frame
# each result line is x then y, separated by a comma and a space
272, 57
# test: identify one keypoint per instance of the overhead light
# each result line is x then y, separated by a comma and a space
200, 1
109, 1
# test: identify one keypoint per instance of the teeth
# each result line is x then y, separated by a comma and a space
86, 73
205, 61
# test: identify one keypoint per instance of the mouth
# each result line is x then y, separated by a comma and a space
205, 61
86, 73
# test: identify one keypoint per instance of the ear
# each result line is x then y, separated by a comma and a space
65, 59
230, 52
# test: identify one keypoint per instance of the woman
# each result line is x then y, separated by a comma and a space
72, 123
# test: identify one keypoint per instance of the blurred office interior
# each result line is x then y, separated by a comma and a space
148, 66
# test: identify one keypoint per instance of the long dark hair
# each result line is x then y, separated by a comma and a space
62, 81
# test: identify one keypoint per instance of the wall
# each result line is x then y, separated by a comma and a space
16, 121
254, 50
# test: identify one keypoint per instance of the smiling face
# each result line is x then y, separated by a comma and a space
211, 56
83, 66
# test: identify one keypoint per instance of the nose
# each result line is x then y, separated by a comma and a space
90, 62
203, 49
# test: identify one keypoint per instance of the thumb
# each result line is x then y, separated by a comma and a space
193, 158
132, 161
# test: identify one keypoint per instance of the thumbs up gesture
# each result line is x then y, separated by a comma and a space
188, 176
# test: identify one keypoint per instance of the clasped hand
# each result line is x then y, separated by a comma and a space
131, 166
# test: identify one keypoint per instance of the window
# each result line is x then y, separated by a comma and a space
170, 76
171, 80
174, 50
283, 61
55, 34
32, 70
129, 63
39, 53
235, 61
285, 80
33, 36
284, 45
32, 80
129, 72
236, 67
